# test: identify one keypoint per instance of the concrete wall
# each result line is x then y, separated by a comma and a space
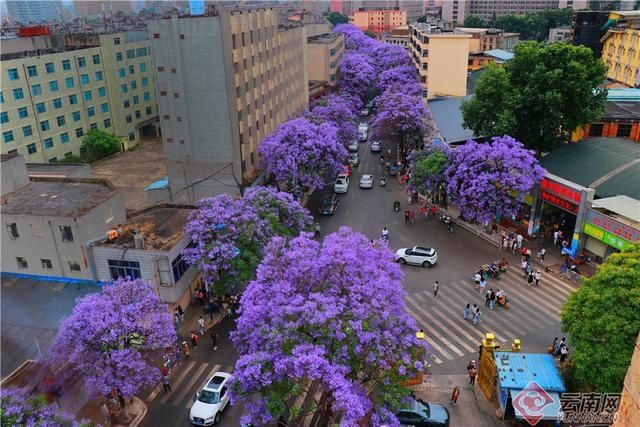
14, 174
629, 410
448, 59
455, 10
322, 64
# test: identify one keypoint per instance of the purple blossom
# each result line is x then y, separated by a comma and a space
336, 316
387, 56
301, 153
338, 110
400, 79
18, 408
357, 73
490, 180
113, 338
355, 39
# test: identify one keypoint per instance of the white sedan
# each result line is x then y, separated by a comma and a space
417, 255
376, 147
366, 181
211, 400
342, 184
353, 146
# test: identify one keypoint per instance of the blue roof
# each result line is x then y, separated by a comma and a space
446, 112
500, 54
629, 94
159, 184
516, 370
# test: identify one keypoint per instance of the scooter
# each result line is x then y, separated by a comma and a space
445, 219
383, 181
396, 206
503, 302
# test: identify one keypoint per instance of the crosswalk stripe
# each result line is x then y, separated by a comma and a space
432, 319
451, 319
431, 342
213, 370
187, 387
154, 393
548, 283
178, 380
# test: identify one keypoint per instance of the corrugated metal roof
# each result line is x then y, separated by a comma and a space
626, 94
500, 54
516, 370
446, 112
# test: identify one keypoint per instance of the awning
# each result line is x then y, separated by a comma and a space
551, 411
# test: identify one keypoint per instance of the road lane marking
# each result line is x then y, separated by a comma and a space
178, 380
213, 370
432, 344
187, 387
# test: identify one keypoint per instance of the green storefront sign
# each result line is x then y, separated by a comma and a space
606, 237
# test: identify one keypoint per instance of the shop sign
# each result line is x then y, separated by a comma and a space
594, 231
560, 190
561, 203
612, 226
615, 241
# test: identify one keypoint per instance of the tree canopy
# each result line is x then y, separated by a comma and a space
98, 144
540, 96
427, 169
602, 319
20, 409
474, 21
534, 26
337, 18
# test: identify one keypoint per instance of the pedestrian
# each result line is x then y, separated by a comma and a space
467, 311
483, 284
556, 237
541, 253
492, 300
450, 225
530, 278
455, 395
214, 340
104, 411
412, 216
176, 318
524, 265
476, 316
181, 312
537, 278
554, 346
564, 352
505, 244
476, 278
165, 383
210, 307
436, 286
519, 239
472, 374
201, 325
200, 297
316, 227
194, 339
486, 297
185, 350
514, 246
527, 254
406, 216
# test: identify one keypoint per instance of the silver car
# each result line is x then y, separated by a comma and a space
342, 184
366, 181
417, 255
353, 146
376, 147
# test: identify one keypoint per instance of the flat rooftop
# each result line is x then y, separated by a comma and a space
59, 170
323, 38
161, 226
58, 197
627, 110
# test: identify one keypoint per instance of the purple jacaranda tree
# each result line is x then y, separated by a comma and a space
400, 79
400, 118
387, 56
357, 73
355, 39
335, 318
300, 153
229, 235
113, 338
338, 110
18, 408
488, 181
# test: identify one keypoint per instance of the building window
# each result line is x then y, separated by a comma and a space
91, 111
132, 69
82, 62
32, 149
122, 72
79, 133
146, 96
179, 266
84, 79
134, 85
48, 143
40, 108
96, 59
132, 136
104, 108
144, 81
61, 121
66, 64
156, 35
136, 99
149, 111
93, 126
76, 116
99, 76
160, 69
67, 234
64, 137
50, 67
87, 95
13, 74
69, 82
118, 56
27, 131
53, 86
181, 36
123, 88
143, 67
7, 136
57, 103
73, 99
22, 263
107, 123
74, 266
131, 54
137, 114
116, 41
36, 89
46, 264
128, 118
163, 93
18, 94
32, 71
121, 268
23, 112
44, 125
4, 117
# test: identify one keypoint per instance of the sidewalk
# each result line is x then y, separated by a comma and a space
472, 409
190, 322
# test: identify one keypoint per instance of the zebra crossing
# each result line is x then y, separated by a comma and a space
452, 337
187, 379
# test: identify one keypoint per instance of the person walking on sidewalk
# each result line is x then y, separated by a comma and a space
537, 278
214, 340
165, 383
455, 395
201, 325
541, 254
467, 311
436, 286
471, 369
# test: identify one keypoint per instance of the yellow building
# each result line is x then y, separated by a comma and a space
441, 59
323, 53
379, 21
621, 48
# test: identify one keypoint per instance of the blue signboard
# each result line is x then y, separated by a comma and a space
503, 397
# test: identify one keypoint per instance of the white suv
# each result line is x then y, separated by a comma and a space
342, 184
211, 400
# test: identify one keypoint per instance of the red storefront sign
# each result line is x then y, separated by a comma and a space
612, 226
561, 203
562, 191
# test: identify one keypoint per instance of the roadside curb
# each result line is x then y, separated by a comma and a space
138, 419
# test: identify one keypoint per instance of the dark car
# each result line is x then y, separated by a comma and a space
423, 414
329, 205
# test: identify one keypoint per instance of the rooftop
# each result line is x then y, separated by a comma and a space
623, 94
620, 205
323, 38
446, 112
621, 110
609, 165
58, 197
517, 370
162, 227
500, 54
59, 170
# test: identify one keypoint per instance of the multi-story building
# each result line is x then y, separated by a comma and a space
490, 9
560, 34
34, 10
100, 7
621, 48
414, 8
588, 28
455, 10
324, 52
441, 59
51, 98
378, 21
224, 82
48, 221
483, 39
399, 36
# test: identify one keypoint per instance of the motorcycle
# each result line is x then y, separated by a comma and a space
491, 271
444, 219
396, 206
503, 301
383, 181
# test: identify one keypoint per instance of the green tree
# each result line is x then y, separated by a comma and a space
543, 94
98, 144
602, 319
474, 21
427, 174
534, 26
337, 18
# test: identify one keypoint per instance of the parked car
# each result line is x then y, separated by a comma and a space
423, 414
376, 147
366, 181
364, 112
328, 205
362, 136
342, 184
417, 255
211, 400
353, 146
354, 159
